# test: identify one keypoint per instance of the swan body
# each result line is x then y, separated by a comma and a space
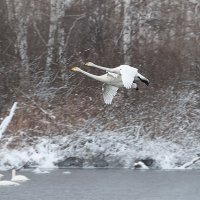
8, 183
18, 178
122, 76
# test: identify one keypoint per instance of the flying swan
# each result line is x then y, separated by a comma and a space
18, 178
115, 78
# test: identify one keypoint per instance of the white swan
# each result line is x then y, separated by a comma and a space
122, 76
18, 178
7, 183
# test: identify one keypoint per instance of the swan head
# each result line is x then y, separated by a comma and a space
90, 64
75, 69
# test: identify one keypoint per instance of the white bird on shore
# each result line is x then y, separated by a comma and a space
18, 178
7, 183
122, 76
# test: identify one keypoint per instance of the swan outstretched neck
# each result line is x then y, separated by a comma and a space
18, 178
129, 74
90, 64
98, 78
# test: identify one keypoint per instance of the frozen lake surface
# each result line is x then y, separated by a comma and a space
106, 184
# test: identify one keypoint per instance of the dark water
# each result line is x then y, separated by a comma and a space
106, 184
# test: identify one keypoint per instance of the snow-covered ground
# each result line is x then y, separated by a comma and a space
108, 149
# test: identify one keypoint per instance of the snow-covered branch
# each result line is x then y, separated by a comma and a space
188, 164
7, 120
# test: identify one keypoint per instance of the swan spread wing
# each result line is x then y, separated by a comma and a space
128, 74
109, 92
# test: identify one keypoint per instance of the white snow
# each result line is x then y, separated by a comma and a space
117, 149
140, 165
188, 164
169, 136
7, 120
40, 171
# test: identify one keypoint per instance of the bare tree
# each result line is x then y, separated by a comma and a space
51, 38
127, 29
42, 37
18, 18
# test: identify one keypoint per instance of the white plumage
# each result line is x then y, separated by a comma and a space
128, 75
18, 178
7, 183
109, 91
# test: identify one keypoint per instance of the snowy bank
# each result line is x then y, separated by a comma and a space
107, 149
